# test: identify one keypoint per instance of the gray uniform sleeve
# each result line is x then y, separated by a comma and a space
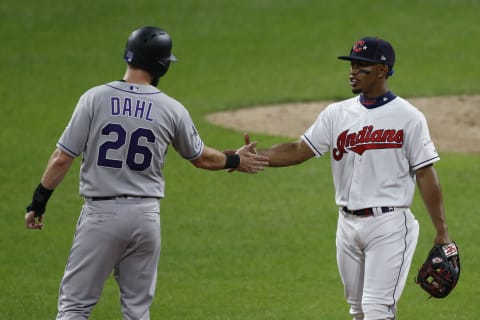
187, 141
75, 135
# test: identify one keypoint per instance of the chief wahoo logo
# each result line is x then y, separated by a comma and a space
359, 46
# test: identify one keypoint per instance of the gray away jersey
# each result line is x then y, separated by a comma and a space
123, 131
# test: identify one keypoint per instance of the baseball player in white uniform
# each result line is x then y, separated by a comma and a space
122, 129
380, 147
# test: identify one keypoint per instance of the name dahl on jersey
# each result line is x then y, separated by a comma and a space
128, 107
367, 139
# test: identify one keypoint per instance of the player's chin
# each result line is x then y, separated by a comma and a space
356, 90
355, 87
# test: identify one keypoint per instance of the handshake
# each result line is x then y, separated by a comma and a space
245, 159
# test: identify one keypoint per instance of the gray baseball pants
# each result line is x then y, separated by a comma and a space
120, 235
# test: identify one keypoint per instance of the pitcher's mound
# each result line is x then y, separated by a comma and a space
454, 121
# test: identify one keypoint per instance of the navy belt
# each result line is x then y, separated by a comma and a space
124, 196
367, 211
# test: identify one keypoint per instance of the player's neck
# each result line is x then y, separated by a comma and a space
377, 89
377, 101
137, 76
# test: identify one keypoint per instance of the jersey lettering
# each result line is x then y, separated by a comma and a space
367, 139
138, 158
128, 107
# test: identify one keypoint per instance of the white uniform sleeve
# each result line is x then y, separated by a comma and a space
420, 148
75, 135
319, 135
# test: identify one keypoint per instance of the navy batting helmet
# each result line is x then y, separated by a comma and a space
150, 49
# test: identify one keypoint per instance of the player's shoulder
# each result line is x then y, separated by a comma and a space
129, 88
404, 103
345, 103
102, 90
406, 107
136, 91
343, 106
171, 104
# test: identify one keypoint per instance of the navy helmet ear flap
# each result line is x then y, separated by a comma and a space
163, 65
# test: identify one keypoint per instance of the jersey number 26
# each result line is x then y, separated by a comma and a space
134, 148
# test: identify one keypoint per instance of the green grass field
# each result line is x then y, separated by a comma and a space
233, 246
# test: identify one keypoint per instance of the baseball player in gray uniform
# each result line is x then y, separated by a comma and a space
122, 129
380, 148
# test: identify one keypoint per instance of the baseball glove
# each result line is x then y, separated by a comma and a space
440, 272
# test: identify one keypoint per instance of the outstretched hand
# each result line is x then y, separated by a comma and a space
250, 146
246, 137
250, 161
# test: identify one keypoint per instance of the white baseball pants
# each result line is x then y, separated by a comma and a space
374, 255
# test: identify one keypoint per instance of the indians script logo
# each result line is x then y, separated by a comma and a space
450, 249
359, 46
367, 139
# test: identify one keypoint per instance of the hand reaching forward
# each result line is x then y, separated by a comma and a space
250, 161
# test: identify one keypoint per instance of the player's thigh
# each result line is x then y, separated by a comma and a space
98, 242
388, 257
140, 259
350, 259
95, 250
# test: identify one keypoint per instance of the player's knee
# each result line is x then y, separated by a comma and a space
378, 312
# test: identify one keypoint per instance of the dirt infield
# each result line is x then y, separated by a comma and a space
454, 121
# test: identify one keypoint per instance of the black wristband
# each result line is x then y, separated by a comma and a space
39, 200
232, 161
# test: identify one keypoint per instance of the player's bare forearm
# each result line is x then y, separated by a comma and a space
57, 167
287, 154
210, 159
56, 170
431, 192
245, 160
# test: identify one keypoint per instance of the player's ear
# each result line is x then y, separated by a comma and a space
382, 71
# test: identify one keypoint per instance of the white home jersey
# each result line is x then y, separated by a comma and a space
129, 120
374, 151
